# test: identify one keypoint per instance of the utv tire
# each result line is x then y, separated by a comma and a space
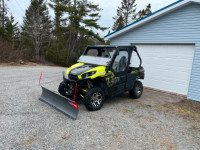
137, 90
94, 99
61, 89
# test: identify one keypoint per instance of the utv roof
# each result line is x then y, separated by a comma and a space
110, 46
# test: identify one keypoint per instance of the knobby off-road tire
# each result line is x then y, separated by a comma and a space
94, 99
61, 89
137, 90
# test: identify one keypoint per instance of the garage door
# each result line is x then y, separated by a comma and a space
167, 67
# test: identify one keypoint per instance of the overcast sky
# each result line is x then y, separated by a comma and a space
17, 9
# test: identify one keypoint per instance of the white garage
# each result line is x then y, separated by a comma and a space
167, 67
168, 41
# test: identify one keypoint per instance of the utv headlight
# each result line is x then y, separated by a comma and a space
85, 75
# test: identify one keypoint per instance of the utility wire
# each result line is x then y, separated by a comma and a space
19, 6
19, 13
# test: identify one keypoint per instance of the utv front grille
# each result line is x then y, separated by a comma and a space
73, 77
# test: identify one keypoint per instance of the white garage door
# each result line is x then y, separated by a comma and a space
167, 67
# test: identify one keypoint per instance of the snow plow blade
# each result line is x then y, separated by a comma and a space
59, 102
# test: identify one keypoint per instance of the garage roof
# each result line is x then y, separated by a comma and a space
174, 6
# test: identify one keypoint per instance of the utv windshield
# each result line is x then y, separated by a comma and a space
97, 56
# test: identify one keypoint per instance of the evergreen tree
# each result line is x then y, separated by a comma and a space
3, 17
148, 9
11, 29
58, 50
74, 23
141, 14
119, 23
145, 12
59, 7
2, 30
37, 26
83, 17
125, 14
128, 10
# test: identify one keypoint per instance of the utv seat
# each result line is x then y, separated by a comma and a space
122, 64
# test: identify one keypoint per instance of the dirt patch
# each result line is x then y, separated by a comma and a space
186, 108
153, 98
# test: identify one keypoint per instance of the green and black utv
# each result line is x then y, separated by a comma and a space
101, 72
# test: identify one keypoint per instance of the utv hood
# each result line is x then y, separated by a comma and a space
81, 69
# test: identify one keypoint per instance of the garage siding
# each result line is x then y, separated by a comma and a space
194, 88
180, 26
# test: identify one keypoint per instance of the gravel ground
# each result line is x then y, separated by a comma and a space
155, 121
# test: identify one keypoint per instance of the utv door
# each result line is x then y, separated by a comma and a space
119, 68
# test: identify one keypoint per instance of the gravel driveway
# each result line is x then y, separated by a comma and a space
156, 121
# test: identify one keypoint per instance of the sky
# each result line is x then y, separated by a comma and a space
17, 9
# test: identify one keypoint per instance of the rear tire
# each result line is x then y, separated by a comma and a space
94, 99
61, 89
137, 90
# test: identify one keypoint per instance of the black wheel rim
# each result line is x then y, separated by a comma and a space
68, 90
96, 99
138, 89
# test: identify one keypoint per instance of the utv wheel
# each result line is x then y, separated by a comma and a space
61, 89
94, 99
137, 90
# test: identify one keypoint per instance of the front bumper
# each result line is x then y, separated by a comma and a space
79, 87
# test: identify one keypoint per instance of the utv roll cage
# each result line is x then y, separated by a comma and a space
129, 48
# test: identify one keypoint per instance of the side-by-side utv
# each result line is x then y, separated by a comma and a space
101, 72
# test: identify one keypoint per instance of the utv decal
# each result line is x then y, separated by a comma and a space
136, 71
112, 80
85, 90
82, 96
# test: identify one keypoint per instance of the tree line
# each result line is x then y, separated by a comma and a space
61, 40
127, 13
